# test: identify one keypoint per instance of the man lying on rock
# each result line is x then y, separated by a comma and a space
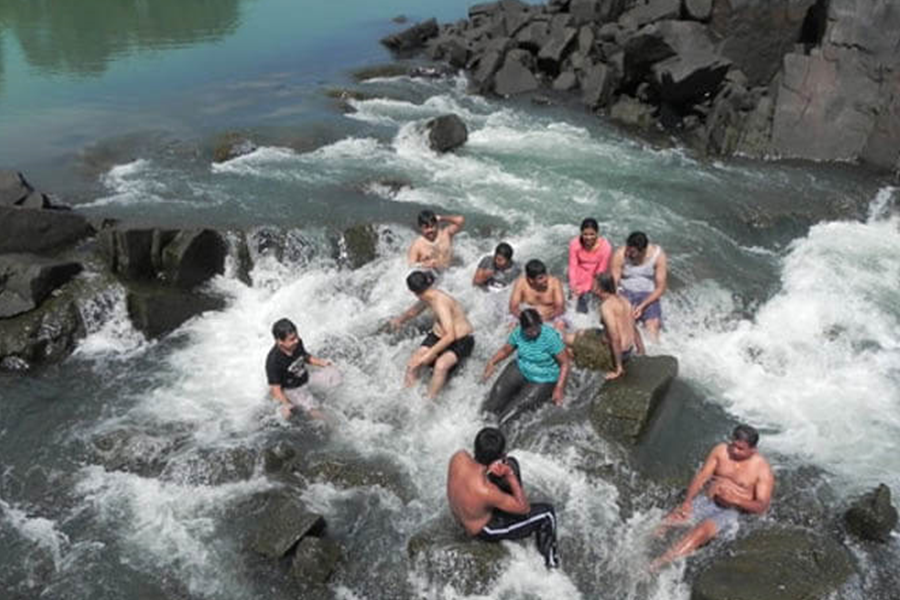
740, 481
289, 379
486, 497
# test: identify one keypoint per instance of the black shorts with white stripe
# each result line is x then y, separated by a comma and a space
541, 521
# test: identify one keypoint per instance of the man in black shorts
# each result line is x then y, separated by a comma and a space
450, 340
486, 497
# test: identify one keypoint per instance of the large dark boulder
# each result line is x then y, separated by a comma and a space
26, 281
446, 133
412, 38
872, 517
193, 257
623, 407
34, 231
158, 310
45, 334
695, 71
776, 564
283, 522
515, 76
358, 245
755, 34
449, 557
129, 252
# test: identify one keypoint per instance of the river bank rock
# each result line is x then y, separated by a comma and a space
412, 38
42, 231
624, 406
776, 564
27, 280
449, 557
872, 517
446, 133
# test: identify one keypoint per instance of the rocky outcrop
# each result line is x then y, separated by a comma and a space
47, 333
624, 406
40, 231
158, 310
446, 133
315, 560
283, 522
872, 517
449, 557
27, 280
815, 79
412, 38
776, 564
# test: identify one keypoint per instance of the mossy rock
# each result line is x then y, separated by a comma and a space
623, 407
359, 245
592, 352
777, 564
449, 557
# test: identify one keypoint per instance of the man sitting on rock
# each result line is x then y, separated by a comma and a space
498, 271
740, 481
433, 249
287, 373
486, 497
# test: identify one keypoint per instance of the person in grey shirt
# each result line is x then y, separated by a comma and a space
498, 271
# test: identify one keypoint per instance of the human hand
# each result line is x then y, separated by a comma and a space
684, 510
499, 468
488, 371
557, 396
638, 311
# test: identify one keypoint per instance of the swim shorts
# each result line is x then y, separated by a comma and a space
652, 311
726, 519
462, 347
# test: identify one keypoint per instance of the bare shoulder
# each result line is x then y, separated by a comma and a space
762, 466
555, 282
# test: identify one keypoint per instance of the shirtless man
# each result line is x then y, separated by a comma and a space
486, 497
618, 321
641, 270
541, 291
740, 480
434, 248
450, 340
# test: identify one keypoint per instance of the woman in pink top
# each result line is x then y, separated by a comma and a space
588, 257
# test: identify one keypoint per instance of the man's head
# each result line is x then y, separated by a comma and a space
743, 442
636, 245
489, 445
419, 281
428, 225
530, 321
502, 255
589, 230
536, 274
285, 333
606, 285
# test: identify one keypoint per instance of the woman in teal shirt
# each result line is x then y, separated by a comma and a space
538, 373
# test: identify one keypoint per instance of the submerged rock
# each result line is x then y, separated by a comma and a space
282, 522
232, 145
624, 406
157, 310
776, 564
449, 557
315, 560
358, 245
446, 133
872, 517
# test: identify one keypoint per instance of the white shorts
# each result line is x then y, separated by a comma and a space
320, 379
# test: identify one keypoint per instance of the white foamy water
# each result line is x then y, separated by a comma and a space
819, 363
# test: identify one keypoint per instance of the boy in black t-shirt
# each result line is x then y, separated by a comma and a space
289, 379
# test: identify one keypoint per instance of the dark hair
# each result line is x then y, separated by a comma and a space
427, 217
745, 433
590, 223
530, 318
606, 283
419, 281
283, 328
638, 240
505, 250
535, 268
489, 445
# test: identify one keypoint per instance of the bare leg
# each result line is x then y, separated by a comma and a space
652, 326
442, 366
413, 374
694, 538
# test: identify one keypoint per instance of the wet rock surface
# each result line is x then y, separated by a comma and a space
27, 280
446, 133
872, 517
283, 521
776, 564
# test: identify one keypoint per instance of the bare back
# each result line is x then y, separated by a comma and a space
448, 313
617, 316
468, 493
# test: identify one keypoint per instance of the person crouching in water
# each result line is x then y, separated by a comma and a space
289, 379
538, 374
617, 317
486, 497
449, 342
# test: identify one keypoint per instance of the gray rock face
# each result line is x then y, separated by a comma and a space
632, 112
45, 334
873, 517
31, 231
193, 257
558, 45
699, 10
315, 560
515, 77
14, 189
624, 406
412, 38
449, 557
446, 133
695, 71
135, 451
158, 310
27, 280
776, 564
650, 11
597, 85
284, 521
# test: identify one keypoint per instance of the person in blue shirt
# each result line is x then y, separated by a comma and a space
538, 374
